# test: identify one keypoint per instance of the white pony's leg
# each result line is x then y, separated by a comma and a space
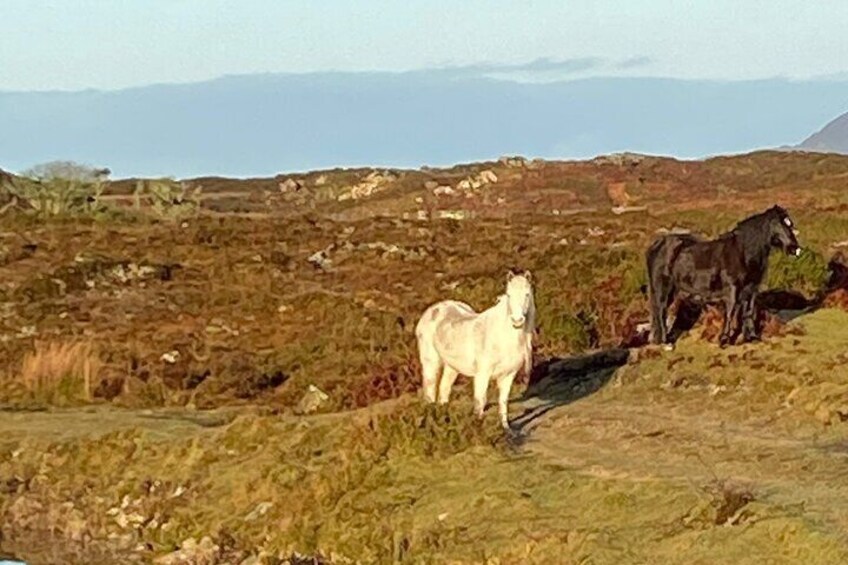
481, 388
431, 364
446, 384
504, 386
431, 361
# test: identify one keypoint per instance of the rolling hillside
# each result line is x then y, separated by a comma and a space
231, 376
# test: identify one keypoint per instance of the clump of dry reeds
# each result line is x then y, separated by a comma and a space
61, 372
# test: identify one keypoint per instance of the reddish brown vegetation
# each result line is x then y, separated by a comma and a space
251, 318
385, 382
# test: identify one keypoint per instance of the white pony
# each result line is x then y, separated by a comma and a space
495, 344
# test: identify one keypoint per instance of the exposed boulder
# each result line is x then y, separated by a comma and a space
290, 185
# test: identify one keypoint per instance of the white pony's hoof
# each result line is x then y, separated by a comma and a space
668, 346
512, 432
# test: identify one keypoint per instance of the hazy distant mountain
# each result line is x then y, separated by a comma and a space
263, 124
832, 138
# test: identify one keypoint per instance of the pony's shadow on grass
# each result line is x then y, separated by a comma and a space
562, 380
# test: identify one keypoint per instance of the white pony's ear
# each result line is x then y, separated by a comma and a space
529, 276
510, 275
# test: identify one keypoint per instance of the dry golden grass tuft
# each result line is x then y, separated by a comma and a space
63, 372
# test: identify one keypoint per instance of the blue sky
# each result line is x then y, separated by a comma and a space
77, 44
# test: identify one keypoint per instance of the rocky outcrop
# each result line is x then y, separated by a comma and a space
468, 186
373, 183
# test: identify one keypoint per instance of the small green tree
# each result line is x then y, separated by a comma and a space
68, 171
168, 198
59, 188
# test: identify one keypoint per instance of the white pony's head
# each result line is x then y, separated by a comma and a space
519, 298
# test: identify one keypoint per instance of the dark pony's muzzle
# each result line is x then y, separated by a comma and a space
793, 249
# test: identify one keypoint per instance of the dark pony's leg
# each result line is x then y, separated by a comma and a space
658, 289
731, 314
749, 315
660, 294
736, 318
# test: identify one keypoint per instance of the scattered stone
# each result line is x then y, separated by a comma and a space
673, 231
311, 401
619, 210
204, 553
260, 510
27, 332
170, 357
321, 259
321, 180
444, 190
431, 184
132, 272
453, 214
715, 389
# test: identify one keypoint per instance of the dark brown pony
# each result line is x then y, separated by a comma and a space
726, 270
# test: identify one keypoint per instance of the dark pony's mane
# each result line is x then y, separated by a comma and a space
754, 235
756, 221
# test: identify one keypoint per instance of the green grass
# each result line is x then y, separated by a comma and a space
400, 484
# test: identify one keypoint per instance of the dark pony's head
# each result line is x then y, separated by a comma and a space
781, 231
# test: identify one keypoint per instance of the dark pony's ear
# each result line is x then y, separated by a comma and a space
779, 210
